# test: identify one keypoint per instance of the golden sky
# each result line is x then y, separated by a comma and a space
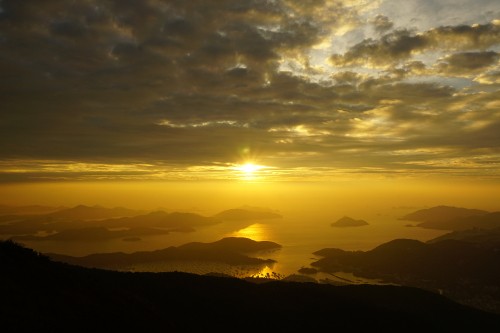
269, 90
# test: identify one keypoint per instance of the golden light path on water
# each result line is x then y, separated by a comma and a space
256, 232
259, 232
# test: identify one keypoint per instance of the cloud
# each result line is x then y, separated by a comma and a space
402, 44
492, 77
96, 86
468, 62
423, 15
381, 23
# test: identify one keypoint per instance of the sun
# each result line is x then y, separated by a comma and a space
249, 168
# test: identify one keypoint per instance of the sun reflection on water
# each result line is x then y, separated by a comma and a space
257, 232
268, 273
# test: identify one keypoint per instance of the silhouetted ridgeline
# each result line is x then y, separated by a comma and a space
91, 223
454, 218
27, 210
230, 250
442, 213
61, 224
39, 295
482, 237
82, 212
92, 234
465, 271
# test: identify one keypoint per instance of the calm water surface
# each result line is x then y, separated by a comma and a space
300, 234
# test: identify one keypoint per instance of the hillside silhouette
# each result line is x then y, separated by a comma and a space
91, 234
485, 221
99, 223
468, 272
88, 223
27, 210
453, 218
39, 295
162, 219
483, 237
83, 212
231, 250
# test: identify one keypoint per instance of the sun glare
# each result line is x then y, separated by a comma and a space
250, 168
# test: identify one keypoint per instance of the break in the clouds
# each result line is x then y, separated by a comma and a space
164, 89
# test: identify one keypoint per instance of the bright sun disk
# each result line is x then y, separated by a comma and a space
249, 167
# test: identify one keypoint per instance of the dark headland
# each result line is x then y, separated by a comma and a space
41, 295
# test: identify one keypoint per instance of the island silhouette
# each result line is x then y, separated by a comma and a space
229, 250
346, 222
92, 223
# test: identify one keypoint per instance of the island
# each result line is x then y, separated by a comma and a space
229, 250
346, 221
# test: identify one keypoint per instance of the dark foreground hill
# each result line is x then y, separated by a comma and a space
39, 295
468, 272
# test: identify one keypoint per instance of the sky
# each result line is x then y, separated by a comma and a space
249, 90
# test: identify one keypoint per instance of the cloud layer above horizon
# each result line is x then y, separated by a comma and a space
165, 89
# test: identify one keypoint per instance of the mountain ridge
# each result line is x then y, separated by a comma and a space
453, 218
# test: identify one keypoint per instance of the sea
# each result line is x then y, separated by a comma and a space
300, 234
